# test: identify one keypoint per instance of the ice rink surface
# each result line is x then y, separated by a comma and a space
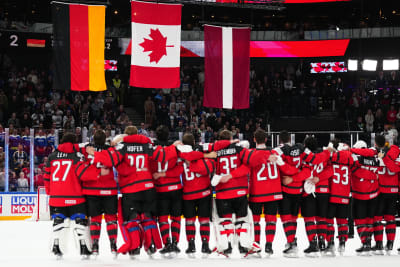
26, 243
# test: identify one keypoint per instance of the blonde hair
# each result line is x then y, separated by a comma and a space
129, 130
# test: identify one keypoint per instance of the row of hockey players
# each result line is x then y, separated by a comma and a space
281, 180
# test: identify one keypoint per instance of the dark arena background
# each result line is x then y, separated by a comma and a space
322, 70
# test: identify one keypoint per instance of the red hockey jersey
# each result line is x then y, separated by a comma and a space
196, 176
131, 159
94, 183
365, 184
388, 180
265, 178
60, 178
340, 184
322, 170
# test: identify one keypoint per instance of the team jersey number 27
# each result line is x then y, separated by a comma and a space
62, 168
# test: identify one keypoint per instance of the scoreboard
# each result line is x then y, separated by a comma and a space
12, 40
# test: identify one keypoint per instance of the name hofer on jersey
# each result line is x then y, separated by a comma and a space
134, 149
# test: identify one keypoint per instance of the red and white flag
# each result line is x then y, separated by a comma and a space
227, 67
156, 41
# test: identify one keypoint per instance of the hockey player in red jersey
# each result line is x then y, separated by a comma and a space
196, 194
292, 187
66, 197
168, 185
131, 159
388, 192
265, 190
365, 191
339, 201
314, 207
102, 198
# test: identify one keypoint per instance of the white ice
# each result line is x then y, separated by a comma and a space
26, 243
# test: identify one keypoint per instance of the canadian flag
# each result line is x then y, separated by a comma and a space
156, 41
227, 67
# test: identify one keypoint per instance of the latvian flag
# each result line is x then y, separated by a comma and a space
156, 40
227, 67
78, 32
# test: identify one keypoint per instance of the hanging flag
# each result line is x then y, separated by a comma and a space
156, 40
78, 47
227, 67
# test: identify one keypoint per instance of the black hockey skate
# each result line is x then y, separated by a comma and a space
134, 252
205, 248
291, 251
330, 249
365, 249
167, 249
56, 250
191, 250
342, 245
85, 252
389, 247
174, 247
268, 249
378, 248
151, 250
113, 247
312, 250
95, 247
242, 250
321, 243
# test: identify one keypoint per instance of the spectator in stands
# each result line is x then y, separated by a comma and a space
40, 145
3, 105
43, 165
39, 178
149, 110
14, 120
142, 130
26, 121
2, 179
391, 115
19, 158
22, 183
369, 121
379, 120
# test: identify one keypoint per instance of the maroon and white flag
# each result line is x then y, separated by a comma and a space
227, 67
156, 41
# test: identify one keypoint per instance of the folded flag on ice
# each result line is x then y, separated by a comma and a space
78, 32
227, 67
156, 41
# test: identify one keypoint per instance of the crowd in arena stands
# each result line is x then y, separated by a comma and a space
27, 100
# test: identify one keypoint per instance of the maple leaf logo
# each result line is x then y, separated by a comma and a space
156, 45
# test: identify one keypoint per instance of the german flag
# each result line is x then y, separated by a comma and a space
78, 32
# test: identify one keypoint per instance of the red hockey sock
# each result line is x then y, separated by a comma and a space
270, 228
362, 229
390, 228
311, 228
370, 227
190, 228
257, 228
95, 227
112, 226
378, 228
322, 227
343, 228
163, 223
204, 228
176, 227
289, 226
330, 232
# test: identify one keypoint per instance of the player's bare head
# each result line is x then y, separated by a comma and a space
130, 130
335, 142
225, 135
68, 138
99, 138
284, 137
311, 143
188, 139
260, 136
162, 133
380, 141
